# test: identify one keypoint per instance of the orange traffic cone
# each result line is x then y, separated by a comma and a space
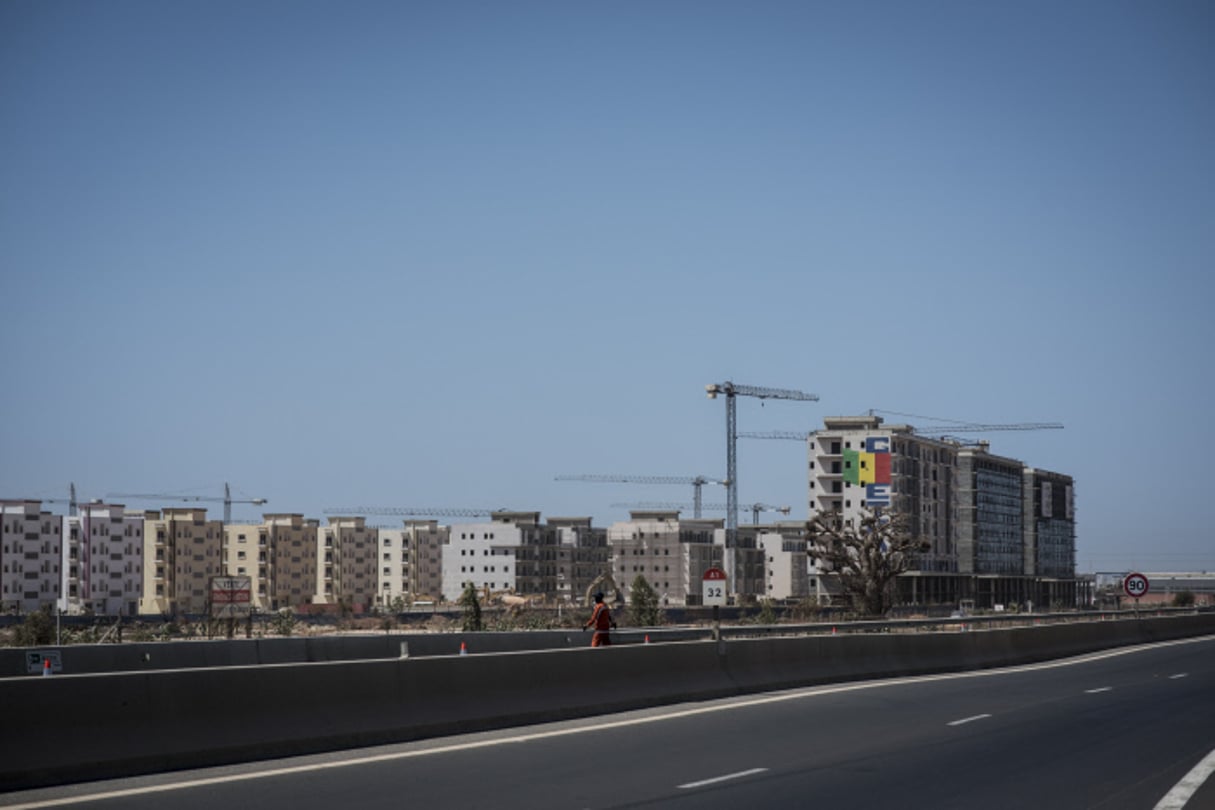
46, 667
833, 631
647, 638
463, 649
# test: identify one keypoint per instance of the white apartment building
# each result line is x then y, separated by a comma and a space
483, 554
672, 554
31, 556
104, 570
785, 561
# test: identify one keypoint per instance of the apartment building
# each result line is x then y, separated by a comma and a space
425, 542
31, 554
246, 553
293, 547
583, 556
182, 552
484, 554
104, 567
979, 513
346, 556
671, 553
786, 573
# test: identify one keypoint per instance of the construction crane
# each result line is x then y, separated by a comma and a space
227, 500
697, 482
755, 508
935, 431
407, 511
73, 504
729, 390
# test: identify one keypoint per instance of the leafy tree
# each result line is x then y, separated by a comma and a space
284, 621
37, 630
866, 555
1183, 599
472, 609
643, 610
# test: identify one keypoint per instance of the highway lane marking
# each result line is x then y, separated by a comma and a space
373, 759
965, 720
1178, 675
725, 778
1184, 790
1098, 690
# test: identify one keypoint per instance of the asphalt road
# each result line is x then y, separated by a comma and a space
1110, 731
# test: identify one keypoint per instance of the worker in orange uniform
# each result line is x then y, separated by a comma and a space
603, 623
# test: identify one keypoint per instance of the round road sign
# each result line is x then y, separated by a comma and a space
1135, 585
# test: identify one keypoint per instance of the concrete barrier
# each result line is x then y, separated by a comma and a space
67, 728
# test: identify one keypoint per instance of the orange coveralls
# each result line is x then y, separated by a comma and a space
601, 619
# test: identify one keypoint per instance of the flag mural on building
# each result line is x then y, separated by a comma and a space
870, 468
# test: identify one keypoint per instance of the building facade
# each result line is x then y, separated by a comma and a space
31, 556
672, 554
104, 571
182, 552
346, 556
979, 514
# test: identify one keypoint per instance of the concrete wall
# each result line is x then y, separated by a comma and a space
69, 728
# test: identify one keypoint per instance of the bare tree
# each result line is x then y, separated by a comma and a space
866, 554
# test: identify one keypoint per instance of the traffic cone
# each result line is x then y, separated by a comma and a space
833, 631
46, 667
647, 638
463, 649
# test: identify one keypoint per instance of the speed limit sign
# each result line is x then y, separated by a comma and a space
1135, 585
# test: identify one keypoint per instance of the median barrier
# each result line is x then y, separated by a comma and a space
68, 728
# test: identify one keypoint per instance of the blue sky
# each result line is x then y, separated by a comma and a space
436, 254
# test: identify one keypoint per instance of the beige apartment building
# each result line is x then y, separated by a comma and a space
182, 551
278, 555
31, 545
346, 558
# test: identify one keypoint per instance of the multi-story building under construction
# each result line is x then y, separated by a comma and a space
997, 531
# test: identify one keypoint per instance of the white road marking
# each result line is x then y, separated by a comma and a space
1098, 690
968, 719
717, 779
635, 721
1178, 675
1181, 793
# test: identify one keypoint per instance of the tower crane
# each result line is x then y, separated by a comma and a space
730, 390
406, 511
697, 482
227, 500
72, 502
939, 431
755, 508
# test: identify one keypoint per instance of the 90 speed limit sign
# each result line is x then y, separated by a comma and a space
1135, 585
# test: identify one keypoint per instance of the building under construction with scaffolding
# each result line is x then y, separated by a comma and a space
997, 531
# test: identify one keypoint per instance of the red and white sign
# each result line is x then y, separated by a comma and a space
1135, 585
715, 587
231, 596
